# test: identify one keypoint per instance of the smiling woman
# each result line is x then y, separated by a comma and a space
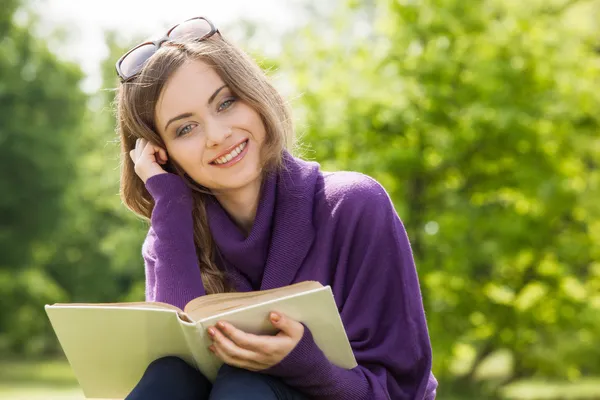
204, 140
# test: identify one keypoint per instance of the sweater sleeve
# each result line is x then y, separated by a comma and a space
169, 252
381, 308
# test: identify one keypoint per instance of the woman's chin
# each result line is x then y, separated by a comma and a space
235, 182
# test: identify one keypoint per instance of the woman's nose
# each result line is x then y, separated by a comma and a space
217, 134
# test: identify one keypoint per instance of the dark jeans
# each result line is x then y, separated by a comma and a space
171, 378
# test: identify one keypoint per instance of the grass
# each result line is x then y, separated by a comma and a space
584, 389
37, 380
40, 393
54, 380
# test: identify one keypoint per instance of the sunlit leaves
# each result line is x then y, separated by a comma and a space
479, 119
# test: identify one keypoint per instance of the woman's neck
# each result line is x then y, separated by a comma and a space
241, 204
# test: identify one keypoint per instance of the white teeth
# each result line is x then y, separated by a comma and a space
228, 157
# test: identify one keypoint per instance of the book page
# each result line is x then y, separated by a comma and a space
203, 307
138, 304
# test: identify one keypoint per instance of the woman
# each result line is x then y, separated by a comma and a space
204, 141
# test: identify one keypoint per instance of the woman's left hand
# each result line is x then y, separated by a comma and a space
255, 352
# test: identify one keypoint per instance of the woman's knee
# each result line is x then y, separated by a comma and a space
169, 368
171, 376
236, 383
233, 373
168, 363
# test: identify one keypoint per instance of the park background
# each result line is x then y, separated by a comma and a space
481, 118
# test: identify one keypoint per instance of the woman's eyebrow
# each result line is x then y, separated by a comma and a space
188, 114
212, 97
177, 118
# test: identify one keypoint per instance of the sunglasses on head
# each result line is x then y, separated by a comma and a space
132, 62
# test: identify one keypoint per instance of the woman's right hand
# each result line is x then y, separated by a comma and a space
147, 159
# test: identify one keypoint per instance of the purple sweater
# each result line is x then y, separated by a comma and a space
340, 229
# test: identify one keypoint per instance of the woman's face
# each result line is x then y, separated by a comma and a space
214, 136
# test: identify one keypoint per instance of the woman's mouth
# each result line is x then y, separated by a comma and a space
233, 157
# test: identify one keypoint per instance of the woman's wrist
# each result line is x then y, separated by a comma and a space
168, 185
304, 359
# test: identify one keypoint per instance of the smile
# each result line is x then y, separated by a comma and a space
235, 155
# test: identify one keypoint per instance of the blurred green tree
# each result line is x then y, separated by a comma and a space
97, 254
481, 120
41, 108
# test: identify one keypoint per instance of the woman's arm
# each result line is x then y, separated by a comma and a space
381, 308
172, 269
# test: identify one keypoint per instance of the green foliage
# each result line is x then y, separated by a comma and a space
65, 236
481, 120
8, 8
40, 114
41, 107
97, 257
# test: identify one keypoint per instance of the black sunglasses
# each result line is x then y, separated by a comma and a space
132, 62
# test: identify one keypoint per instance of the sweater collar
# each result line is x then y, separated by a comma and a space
246, 254
282, 233
293, 230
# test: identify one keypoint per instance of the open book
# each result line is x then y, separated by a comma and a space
109, 346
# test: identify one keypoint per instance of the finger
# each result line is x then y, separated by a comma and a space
150, 150
229, 349
138, 148
227, 359
288, 326
233, 355
132, 155
242, 339
163, 155
147, 151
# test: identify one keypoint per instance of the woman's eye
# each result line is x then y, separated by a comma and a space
185, 130
226, 104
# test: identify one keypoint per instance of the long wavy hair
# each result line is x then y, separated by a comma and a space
136, 101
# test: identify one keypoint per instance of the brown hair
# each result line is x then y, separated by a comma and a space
136, 101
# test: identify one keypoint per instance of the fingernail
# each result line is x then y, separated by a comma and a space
221, 325
211, 348
211, 332
275, 317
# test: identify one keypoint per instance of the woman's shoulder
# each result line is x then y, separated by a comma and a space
347, 193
